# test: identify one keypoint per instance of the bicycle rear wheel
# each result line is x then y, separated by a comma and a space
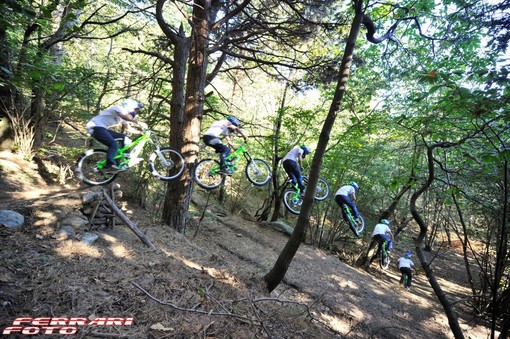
89, 168
385, 258
385, 262
167, 165
206, 174
258, 172
291, 202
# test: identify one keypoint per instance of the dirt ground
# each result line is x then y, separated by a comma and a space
204, 284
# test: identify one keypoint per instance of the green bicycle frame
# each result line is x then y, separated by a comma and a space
232, 159
383, 248
349, 214
120, 153
296, 195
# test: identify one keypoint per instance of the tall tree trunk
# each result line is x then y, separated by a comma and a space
186, 128
178, 193
275, 276
443, 299
277, 197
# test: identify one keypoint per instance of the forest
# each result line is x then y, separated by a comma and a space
410, 99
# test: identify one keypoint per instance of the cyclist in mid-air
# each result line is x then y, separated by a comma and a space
99, 128
292, 163
404, 265
223, 128
343, 196
382, 232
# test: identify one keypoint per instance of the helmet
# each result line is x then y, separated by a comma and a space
385, 221
234, 121
131, 105
305, 149
407, 255
354, 184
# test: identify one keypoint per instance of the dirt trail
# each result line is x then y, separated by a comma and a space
220, 269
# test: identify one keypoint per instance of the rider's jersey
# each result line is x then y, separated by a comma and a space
218, 128
381, 229
404, 262
294, 154
109, 117
346, 190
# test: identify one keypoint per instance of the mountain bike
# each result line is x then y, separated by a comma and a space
357, 225
293, 197
207, 172
165, 163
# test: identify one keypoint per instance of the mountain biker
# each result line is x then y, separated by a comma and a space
292, 163
404, 265
381, 232
98, 128
342, 196
223, 128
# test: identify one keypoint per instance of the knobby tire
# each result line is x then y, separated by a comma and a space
87, 171
166, 173
258, 172
357, 229
321, 190
385, 259
292, 204
206, 176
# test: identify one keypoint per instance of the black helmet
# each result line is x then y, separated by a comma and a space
234, 121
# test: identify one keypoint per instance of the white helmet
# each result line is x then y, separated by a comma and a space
131, 105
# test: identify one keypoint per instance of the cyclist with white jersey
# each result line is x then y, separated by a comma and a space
99, 128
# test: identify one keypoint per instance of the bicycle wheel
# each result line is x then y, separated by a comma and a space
291, 202
385, 260
358, 226
87, 169
206, 174
166, 165
258, 172
321, 190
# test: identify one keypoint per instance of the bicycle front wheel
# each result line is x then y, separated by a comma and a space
206, 174
258, 172
357, 226
89, 168
167, 164
321, 190
292, 202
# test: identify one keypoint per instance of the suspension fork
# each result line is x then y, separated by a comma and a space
164, 161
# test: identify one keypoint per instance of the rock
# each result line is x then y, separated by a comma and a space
11, 219
64, 233
89, 237
75, 221
91, 197
279, 226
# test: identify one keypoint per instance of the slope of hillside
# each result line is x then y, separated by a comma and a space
205, 284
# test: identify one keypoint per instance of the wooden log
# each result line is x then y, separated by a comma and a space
126, 221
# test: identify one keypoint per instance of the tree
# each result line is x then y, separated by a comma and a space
275, 276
